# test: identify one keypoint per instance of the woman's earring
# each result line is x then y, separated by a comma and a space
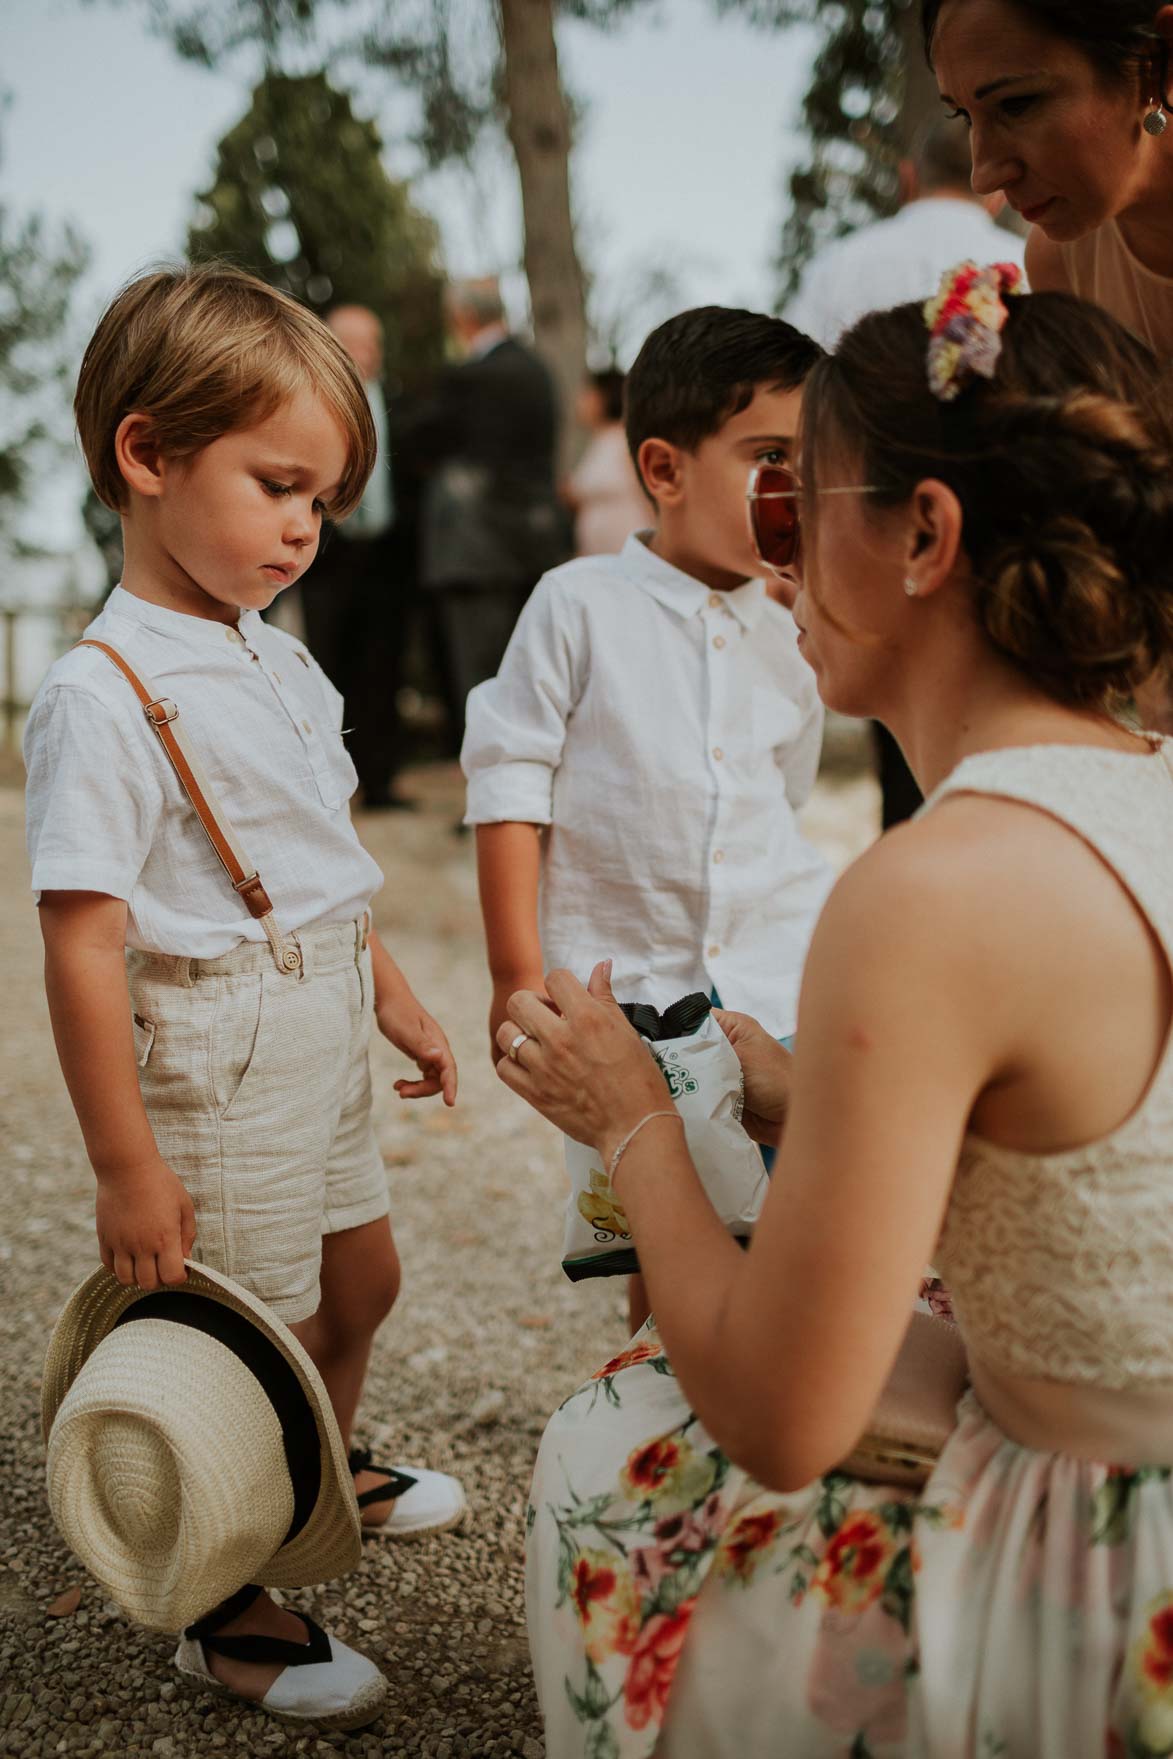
910, 586
1156, 121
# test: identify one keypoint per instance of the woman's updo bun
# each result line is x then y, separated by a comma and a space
1062, 464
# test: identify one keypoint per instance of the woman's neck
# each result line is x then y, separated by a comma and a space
991, 708
1146, 224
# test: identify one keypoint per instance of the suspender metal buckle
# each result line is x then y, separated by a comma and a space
161, 711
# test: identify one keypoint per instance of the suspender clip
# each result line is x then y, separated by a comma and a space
161, 711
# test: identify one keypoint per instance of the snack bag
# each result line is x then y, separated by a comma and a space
704, 1079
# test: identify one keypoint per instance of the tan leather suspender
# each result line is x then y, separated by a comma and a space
163, 716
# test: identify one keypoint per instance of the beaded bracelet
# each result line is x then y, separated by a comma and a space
621, 1150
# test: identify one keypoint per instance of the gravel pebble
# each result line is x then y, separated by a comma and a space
458, 1378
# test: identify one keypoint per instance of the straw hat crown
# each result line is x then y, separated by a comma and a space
193, 1450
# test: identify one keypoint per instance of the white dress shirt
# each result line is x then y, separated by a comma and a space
892, 261
106, 812
666, 734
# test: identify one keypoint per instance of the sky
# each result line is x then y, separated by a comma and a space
688, 129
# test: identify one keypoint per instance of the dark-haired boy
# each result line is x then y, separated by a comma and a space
635, 768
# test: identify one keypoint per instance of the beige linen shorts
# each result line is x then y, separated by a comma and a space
258, 1090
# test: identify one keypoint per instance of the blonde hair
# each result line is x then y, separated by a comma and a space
205, 349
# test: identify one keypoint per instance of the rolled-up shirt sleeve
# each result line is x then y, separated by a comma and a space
91, 803
515, 723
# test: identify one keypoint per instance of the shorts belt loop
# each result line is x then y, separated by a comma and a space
186, 971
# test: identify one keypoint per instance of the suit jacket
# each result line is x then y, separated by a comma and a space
485, 443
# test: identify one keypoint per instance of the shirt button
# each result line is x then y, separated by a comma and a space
718, 856
718, 753
306, 728
714, 601
718, 641
713, 951
233, 634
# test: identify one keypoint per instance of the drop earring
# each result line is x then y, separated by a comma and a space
910, 585
1155, 121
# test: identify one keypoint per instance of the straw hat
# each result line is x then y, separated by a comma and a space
193, 1450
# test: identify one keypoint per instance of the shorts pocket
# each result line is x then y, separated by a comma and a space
144, 1039
238, 1031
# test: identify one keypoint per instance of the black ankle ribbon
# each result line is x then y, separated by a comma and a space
396, 1482
679, 1021
274, 1375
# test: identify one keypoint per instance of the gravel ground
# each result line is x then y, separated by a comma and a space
487, 1337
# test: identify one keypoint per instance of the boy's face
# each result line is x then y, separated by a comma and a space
711, 515
240, 520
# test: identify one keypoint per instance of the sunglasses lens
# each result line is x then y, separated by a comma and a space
773, 511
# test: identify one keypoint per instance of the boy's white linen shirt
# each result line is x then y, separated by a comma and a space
106, 812
666, 735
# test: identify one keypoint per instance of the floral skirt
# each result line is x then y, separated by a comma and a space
1020, 1605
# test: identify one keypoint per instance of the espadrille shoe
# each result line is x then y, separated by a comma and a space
422, 1501
323, 1683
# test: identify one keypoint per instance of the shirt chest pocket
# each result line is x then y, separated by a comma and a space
334, 775
331, 777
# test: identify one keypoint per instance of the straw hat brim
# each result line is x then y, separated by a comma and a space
330, 1543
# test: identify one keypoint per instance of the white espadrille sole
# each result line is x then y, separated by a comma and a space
347, 1692
435, 1503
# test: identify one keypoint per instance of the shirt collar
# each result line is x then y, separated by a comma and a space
177, 623
679, 591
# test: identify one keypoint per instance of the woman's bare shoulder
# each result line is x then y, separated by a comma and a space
973, 876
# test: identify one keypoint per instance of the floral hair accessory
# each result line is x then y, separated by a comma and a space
965, 320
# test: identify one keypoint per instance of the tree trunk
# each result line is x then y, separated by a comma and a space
539, 133
921, 97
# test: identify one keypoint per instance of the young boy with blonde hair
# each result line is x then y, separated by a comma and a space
225, 1100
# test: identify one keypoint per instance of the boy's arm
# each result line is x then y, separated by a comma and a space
145, 1218
513, 746
411, 1029
508, 866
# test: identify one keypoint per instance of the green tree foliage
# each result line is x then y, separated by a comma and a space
301, 198
39, 270
870, 90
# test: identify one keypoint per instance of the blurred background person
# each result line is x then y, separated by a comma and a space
941, 223
491, 522
603, 490
352, 604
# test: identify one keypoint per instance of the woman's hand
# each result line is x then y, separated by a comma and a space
766, 1067
582, 1066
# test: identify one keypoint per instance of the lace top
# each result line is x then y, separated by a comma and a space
1100, 267
1061, 1265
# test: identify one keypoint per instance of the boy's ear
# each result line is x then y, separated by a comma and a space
934, 537
660, 465
140, 459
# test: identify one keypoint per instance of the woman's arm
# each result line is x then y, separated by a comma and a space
145, 1218
782, 1351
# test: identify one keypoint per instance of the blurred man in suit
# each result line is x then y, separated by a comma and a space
351, 599
491, 521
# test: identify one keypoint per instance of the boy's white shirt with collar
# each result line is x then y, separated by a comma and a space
105, 811
667, 735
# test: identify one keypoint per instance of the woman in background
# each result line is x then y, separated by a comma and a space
603, 490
